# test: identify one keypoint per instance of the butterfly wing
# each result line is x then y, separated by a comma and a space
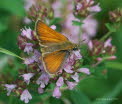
47, 35
53, 61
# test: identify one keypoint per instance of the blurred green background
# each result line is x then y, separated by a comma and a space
92, 90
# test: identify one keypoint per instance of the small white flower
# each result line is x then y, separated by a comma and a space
27, 77
9, 88
25, 96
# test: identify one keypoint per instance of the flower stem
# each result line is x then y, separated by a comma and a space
106, 35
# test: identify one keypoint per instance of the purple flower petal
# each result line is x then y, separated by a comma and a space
27, 33
40, 90
28, 48
95, 8
28, 61
36, 56
84, 70
108, 43
60, 82
68, 68
53, 27
9, 88
43, 80
75, 77
27, 77
71, 85
77, 55
56, 92
25, 96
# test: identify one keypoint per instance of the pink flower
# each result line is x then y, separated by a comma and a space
112, 57
99, 59
29, 3
85, 37
56, 92
9, 88
71, 85
95, 8
60, 82
28, 48
68, 68
79, 6
36, 56
27, 77
90, 45
90, 26
53, 27
43, 80
108, 43
27, 33
75, 77
77, 55
84, 70
25, 96
28, 61
56, 7
40, 90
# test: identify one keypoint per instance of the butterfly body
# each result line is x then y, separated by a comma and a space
64, 46
55, 47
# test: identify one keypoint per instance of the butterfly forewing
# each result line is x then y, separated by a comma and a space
47, 35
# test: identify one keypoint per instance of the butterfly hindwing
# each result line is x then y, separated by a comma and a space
53, 61
47, 35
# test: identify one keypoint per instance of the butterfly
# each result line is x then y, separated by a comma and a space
55, 47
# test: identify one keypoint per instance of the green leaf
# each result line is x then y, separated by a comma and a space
3, 27
114, 65
13, 6
79, 98
55, 21
76, 23
10, 53
111, 96
110, 27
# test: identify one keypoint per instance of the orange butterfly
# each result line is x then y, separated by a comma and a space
55, 47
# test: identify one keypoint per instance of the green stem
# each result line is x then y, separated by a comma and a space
2, 50
106, 35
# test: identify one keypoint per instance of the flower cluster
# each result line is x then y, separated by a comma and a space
67, 76
85, 7
116, 15
73, 69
